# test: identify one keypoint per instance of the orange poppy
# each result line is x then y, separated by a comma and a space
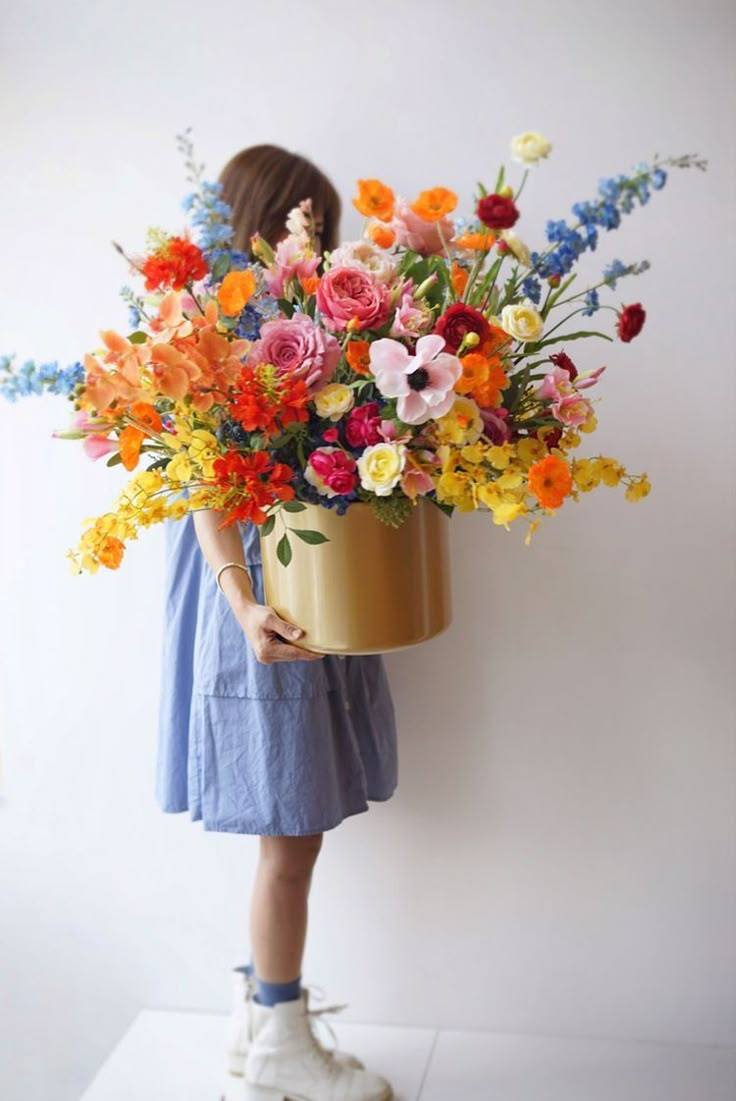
459, 278
235, 291
130, 441
357, 354
146, 414
381, 235
435, 204
374, 200
550, 481
475, 242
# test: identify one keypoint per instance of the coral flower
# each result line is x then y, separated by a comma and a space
235, 291
423, 383
374, 200
550, 481
435, 204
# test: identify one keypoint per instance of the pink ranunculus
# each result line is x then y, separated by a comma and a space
296, 346
423, 382
495, 425
290, 263
414, 233
363, 425
349, 294
331, 471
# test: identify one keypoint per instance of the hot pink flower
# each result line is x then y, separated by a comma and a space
349, 294
423, 382
416, 234
291, 262
331, 471
296, 346
363, 425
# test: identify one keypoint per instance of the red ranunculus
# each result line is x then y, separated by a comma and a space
631, 321
497, 211
458, 320
562, 359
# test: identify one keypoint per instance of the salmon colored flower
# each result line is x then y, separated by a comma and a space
374, 200
235, 291
550, 481
435, 204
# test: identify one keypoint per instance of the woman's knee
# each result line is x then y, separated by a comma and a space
291, 859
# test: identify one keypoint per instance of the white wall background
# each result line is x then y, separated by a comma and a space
559, 856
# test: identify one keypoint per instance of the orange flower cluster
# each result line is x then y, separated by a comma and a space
251, 483
173, 265
266, 401
482, 379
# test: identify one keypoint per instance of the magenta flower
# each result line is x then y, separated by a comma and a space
423, 383
363, 425
331, 471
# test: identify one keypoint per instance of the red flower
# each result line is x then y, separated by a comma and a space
173, 265
458, 320
251, 484
497, 212
631, 322
561, 359
266, 401
362, 425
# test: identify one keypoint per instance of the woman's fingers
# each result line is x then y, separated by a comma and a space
274, 622
273, 650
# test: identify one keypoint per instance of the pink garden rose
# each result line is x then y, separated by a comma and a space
414, 233
295, 346
423, 383
292, 262
347, 294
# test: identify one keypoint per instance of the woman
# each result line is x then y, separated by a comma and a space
259, 736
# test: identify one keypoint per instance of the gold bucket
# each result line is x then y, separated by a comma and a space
371, 588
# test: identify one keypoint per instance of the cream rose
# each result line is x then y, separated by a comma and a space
333, 400
517, 246
530, 147
380, 467
522, 321
367, 257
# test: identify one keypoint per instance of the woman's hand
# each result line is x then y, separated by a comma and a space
268, 634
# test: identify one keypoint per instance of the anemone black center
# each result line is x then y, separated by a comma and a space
418, 379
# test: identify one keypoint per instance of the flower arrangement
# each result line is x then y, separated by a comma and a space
428, 359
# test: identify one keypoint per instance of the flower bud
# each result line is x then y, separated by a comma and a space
262, 250
507, 192
470, 340
424, 287
554, 280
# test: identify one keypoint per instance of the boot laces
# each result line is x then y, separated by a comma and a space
317, 1015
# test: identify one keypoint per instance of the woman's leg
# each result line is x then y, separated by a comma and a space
278, 911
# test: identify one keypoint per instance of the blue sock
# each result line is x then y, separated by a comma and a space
269, 993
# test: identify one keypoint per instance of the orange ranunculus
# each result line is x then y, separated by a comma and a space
435, 204
475, 372
550, 481
374, 200
488, 394
130, 441
309, 283
459, 278
235, 291
381, 235
358, 357
146, 414
475, 242
110, 552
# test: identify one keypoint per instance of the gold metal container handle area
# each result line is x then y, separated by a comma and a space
371, 588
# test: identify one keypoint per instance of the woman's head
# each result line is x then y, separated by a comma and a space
264, 182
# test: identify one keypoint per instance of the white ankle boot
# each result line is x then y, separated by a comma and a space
285, 1062
240, 1026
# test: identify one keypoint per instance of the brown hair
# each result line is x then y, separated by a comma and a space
264, 182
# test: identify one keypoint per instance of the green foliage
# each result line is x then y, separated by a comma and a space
311, 537
392, 510
283, 550
268, 525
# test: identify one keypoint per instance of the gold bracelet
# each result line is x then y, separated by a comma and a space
224, 566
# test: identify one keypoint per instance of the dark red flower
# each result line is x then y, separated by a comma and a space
458, 320
561, 359
497, 211
631, 321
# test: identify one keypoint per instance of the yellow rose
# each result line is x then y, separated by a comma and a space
530, 147
522, 321
334, 400
380, 467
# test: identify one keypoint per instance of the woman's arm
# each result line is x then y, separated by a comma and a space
262, 626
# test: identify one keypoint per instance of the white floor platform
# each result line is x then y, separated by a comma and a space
167, 1056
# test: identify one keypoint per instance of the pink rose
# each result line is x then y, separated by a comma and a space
347, 294
331, 471
297, 347
363, 425
414, 233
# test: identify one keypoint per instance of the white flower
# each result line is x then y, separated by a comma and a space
380, 467
530, 147
367, 257
522, 321
333, 400
517, 246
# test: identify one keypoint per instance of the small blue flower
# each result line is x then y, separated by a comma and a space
532, 289
659, 178
591, 302
615, 270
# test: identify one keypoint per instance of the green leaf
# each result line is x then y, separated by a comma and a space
267, 525
283, 550
311, 537
114, 459
293, 506
499, 180
221, 267
532, 349
138, 337
286, 307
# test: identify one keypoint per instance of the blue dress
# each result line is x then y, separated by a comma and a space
286, 748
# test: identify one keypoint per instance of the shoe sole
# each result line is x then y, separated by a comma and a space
251, 1092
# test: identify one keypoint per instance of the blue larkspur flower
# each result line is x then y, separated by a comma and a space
591, 302
32, 378
532, 289
659, 178
615, 270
